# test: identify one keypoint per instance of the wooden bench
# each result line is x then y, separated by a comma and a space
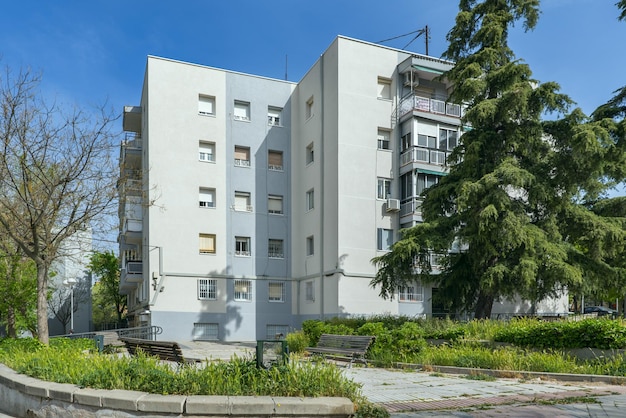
352, 346
164, 350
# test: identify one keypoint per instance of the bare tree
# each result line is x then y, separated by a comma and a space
60, 303
57, 174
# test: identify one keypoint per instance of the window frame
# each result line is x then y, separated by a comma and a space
242, 246
310, 154
207, 289
310, 200
207, 250
384, 86
246, 294
202, 147
272, 157
274, 116
380, 239
242, 151
240, 106
275, 198
411, 294
240, 195
383, 185
384, 140
206, 101
208, 204
279, 251
310, 246
309, 291
282, 291
309, 108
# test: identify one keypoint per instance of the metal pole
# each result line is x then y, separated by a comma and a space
71, 308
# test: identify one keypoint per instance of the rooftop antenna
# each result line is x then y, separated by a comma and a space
286, 56
424, 31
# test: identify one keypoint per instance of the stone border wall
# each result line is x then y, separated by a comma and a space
25, 396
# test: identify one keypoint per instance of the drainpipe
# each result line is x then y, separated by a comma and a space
322, 209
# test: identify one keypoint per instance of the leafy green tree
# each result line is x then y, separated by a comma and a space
18, 291
108, 303
503, 217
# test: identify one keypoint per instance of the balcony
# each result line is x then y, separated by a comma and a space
417, 154
411, 206
425, 104
132, 272
130, 151
129, 187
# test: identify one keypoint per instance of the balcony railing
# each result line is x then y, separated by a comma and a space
132, 272
130, 187
423, 155
412, 205
425, 104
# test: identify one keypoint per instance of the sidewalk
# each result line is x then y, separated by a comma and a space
410, 393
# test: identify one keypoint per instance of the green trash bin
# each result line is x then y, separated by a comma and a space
99, 340
271, 352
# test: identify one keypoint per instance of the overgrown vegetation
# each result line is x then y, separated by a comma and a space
537, 345
75, 361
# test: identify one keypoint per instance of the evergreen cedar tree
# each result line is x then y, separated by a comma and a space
522, 211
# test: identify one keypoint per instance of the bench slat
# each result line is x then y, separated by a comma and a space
354, 346
164, 350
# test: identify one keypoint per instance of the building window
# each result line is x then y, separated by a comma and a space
243, 290
310, 248
242, 202
207, 198
275, 205
206, 151
383, 189
241, 110
309, 291
242, 156
309, 108
206, 105
426, 141
207, 243
310, 200
384, 88
309, 154
275, 160
383, 139
385, 239
242, 246
207, 289
406, 142
205, 331
273, 116
275, 248
411, 293
424, 181
276, 291
448, 139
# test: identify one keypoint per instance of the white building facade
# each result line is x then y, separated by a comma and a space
248, 205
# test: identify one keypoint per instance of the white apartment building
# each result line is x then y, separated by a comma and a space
248, 204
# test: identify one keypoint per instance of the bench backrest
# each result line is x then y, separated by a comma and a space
358, 343
165, 350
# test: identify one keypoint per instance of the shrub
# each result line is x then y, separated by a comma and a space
297, 341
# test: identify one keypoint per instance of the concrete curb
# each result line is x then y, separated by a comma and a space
562, 377
25, 396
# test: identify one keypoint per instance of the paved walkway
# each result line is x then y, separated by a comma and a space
410, 393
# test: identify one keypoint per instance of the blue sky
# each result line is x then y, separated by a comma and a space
89, 51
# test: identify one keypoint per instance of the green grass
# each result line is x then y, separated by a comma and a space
76, 362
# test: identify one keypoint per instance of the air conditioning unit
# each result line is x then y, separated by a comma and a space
393, 205
411, 80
